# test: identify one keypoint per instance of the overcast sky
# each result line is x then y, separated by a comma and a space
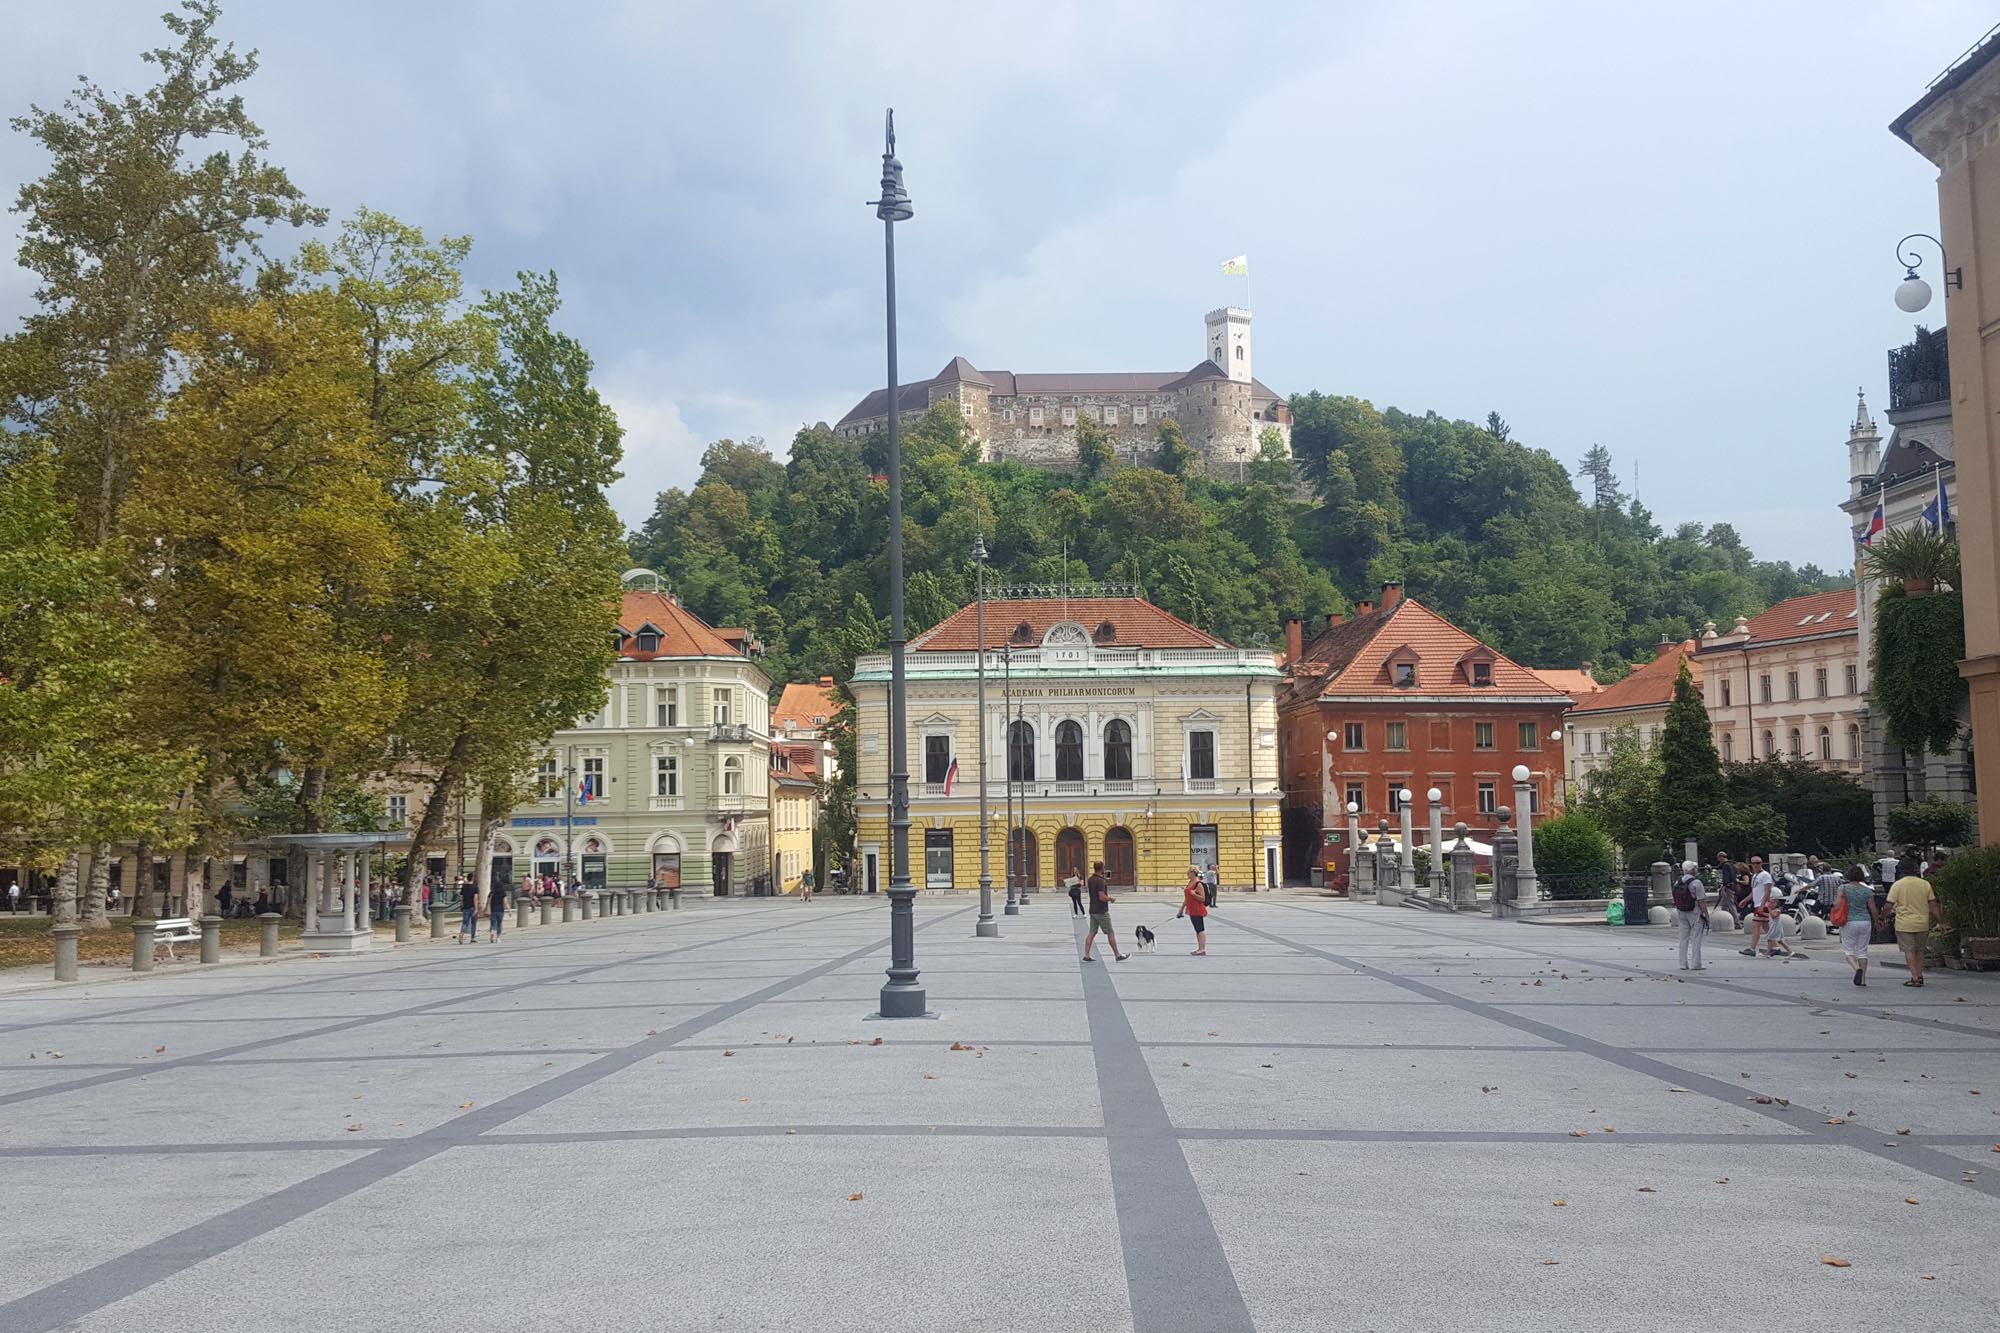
1665, 228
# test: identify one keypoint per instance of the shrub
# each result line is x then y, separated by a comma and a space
1917, 688
1742, 830
1932, 822
1575, 856
1968, 887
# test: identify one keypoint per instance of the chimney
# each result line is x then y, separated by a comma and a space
1295, 638
1364, 608
1335, 620
1586, 667
827, 681
1392, 593
1666, 649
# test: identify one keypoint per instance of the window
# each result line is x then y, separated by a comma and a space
1791, 684
593, 777
1482, 673
1021, 751
1404, 674
667, 706
1482, 735
1034, 416
649, 641
724, 706
1069, 752
1354, 736
1853, 679
1727, 701
732, 776
1357, 795
1138, 414
937, 758
547, 785
1007, 416
1819, 681
1853, 738
1770, 746
1764, 688
1531, 738
1798, 744
1117, 751
1825, 742
937, 858
1398, 736
1069, 416
1534, 799
1646, 735
399, 810
1109, 414
1489, 799
666, 775
1728, 748
1201, 756
1239, 352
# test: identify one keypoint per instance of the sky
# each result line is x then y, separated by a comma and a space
1667, 229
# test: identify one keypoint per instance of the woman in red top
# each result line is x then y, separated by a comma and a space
1194, 906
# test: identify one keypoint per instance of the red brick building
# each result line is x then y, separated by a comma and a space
1398, 696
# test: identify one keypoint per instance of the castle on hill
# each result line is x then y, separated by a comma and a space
1223, 410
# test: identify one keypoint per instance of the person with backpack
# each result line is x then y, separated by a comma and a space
468, 910
496, 904
1856, 917
1691, 913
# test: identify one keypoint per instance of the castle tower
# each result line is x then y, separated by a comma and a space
1864, 448
1228, 342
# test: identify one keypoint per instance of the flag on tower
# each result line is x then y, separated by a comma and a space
1938, 512
1238, 267
1874, 528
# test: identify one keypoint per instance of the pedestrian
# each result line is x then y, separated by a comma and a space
13, 897
1691, 912
496, 907
1194, 906
1855, 915
1075, 887
468, 910
1917, 912
1212, 882
806, 885
1100, 914
1726, 883
1829, 882
1757, 904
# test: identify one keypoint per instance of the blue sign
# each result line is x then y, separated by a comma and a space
550, 821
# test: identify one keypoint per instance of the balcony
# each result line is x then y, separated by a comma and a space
731, 733
1919, 371
665, 803
1201, 784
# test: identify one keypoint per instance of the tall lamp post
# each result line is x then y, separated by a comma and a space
902, 997
987, 927
1007, 749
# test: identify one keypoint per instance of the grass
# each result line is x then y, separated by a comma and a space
25, 940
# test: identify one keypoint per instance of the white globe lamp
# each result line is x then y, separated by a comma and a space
1912, 294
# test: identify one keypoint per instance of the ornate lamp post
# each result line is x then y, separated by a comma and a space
1007, 750
1436, 799
902, 997
1404, 796
987, 927
1526, 890
1913, 293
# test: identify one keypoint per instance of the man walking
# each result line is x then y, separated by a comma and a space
496, 906
13, 897
1758, 904
1691, 912
1100, 914
1917, 911
1726, 887
468, 910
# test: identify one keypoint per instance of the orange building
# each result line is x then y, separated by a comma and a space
1399, 697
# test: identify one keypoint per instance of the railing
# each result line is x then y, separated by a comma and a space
732, 732
1069, 788
1201, 784
1027, 659
665, 802
1919, 371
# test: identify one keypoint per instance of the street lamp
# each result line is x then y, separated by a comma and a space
1007, 749
1913, 293
1436, 799
987, 927
902, 997
1409, 858
1526, 889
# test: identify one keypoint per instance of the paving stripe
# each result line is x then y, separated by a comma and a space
1176, 1273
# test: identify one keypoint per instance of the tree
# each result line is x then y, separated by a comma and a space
1825, 812
1272, 466
1932, 822
1915, 683
1619, 796
1691, 787
1497, 427
1574, 856
1094, 451
1174, 456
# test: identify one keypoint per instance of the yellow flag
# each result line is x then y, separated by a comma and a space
1238, 267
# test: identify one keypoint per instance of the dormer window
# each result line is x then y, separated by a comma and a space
1482, 673
1404, 674
649, 641
1106, 632
1023, 633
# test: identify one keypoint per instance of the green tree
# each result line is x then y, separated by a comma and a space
1691, 787
1174, 456
1620, 795
1574, 856
1825, 812
1094, 451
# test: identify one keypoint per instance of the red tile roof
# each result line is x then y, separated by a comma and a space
1577, 684
805, 707
682, 632
1805, 617
1650, 686
1133, 623
1353, 658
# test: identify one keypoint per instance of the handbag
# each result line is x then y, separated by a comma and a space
1838, 916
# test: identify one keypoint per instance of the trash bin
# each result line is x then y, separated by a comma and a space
1635, 904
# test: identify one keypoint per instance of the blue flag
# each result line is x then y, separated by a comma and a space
1938, 512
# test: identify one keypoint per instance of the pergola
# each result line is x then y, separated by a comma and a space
337, 919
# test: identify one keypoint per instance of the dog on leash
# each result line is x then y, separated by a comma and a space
1144, 934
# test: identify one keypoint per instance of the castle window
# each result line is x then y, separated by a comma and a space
1138, 414
1239, 352
1007, 415
1034, 416
1108, 414
1069, 416
1023, 633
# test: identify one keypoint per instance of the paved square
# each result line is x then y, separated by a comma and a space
1344, 1117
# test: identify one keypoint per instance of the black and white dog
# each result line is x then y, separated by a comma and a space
1144, 934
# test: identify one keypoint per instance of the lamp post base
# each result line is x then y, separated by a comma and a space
904, 1000
1012, 909
988, 929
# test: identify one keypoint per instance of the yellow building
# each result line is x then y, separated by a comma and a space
1126, 736
794, 813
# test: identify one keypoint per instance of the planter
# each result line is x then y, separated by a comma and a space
1982, 949
1918, 587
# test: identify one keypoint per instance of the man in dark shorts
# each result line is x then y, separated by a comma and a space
1100, 914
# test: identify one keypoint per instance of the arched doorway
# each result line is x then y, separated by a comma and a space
1120, 864
1070, 855
1024, 859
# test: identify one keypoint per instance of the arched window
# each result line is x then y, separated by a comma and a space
1117, 750
1728, 748
1069, 752
1770, 746
732, 775
1853, 741
1798, 744
1021, 751
1825, 743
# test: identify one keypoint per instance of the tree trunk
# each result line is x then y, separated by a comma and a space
312, 785
64, 905
435, 810
94, 913
482, 860
145, 905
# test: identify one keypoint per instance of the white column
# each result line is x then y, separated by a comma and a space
1440, 872
1403, 799
366, 907
347, 895
1526, 890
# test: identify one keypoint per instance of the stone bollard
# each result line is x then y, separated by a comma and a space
1361, 874
1812, 928
651, 900
521, 914
267, 939
403, 913
631, 899
437, 921
211, 939
142, 946
548, 910
1657, 915
1464, 875
589, 905
569, 908
66, 951
1506, 860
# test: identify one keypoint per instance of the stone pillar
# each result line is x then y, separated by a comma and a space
520, 913
364, 903
437, 919
1464, 876
569, 908
1407, 879
65, 937
267, 939
1525, 888
1659, 884
1506, 858
211, 939
1353, 848
589, 904
142, 946
1361, 869
548, 910
1440, 877
1387, 868
403, 914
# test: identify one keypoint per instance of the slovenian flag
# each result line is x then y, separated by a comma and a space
1874, 528
951, 776
586, 791
1938, 512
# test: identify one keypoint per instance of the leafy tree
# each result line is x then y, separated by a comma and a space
1620, 795
1691, 786
1825, 812
1272, 466
1094, 451
1915, 681
1575, 856
1931, 822
1175, 456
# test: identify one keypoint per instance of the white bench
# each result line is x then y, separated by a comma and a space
174, 930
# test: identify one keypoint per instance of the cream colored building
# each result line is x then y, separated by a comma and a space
794, 813
1788, 684
1131, 737
1639, 701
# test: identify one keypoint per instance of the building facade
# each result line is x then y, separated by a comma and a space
794, 813
1397, 697
1788, 683
1956, 126
669, 781
1639, 701
1222, 409
1126, 735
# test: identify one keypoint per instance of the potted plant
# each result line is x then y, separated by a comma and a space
1968, 888
1916, 558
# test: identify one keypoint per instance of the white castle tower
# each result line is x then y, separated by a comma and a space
1228, 343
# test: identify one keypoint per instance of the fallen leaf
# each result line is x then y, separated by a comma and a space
876, 1042
1851, 1074
728, 1053
1909, 1200
1550, 1263
854, 1198
1723, 1181
652, 1032
1186, 1065
1579, 1133
1761, 1100
1647, 1189
1836, 1121
159, 1050
354, 1129
1538, 981
960, 1046
1928, 1277
1560, 1203
55, 1055
465, 1106
1609, 1130
1902, 1131
930, 1076
1214, 1033
1832, 1262
742, 1099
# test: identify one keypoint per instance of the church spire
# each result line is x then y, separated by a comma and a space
1863, 423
